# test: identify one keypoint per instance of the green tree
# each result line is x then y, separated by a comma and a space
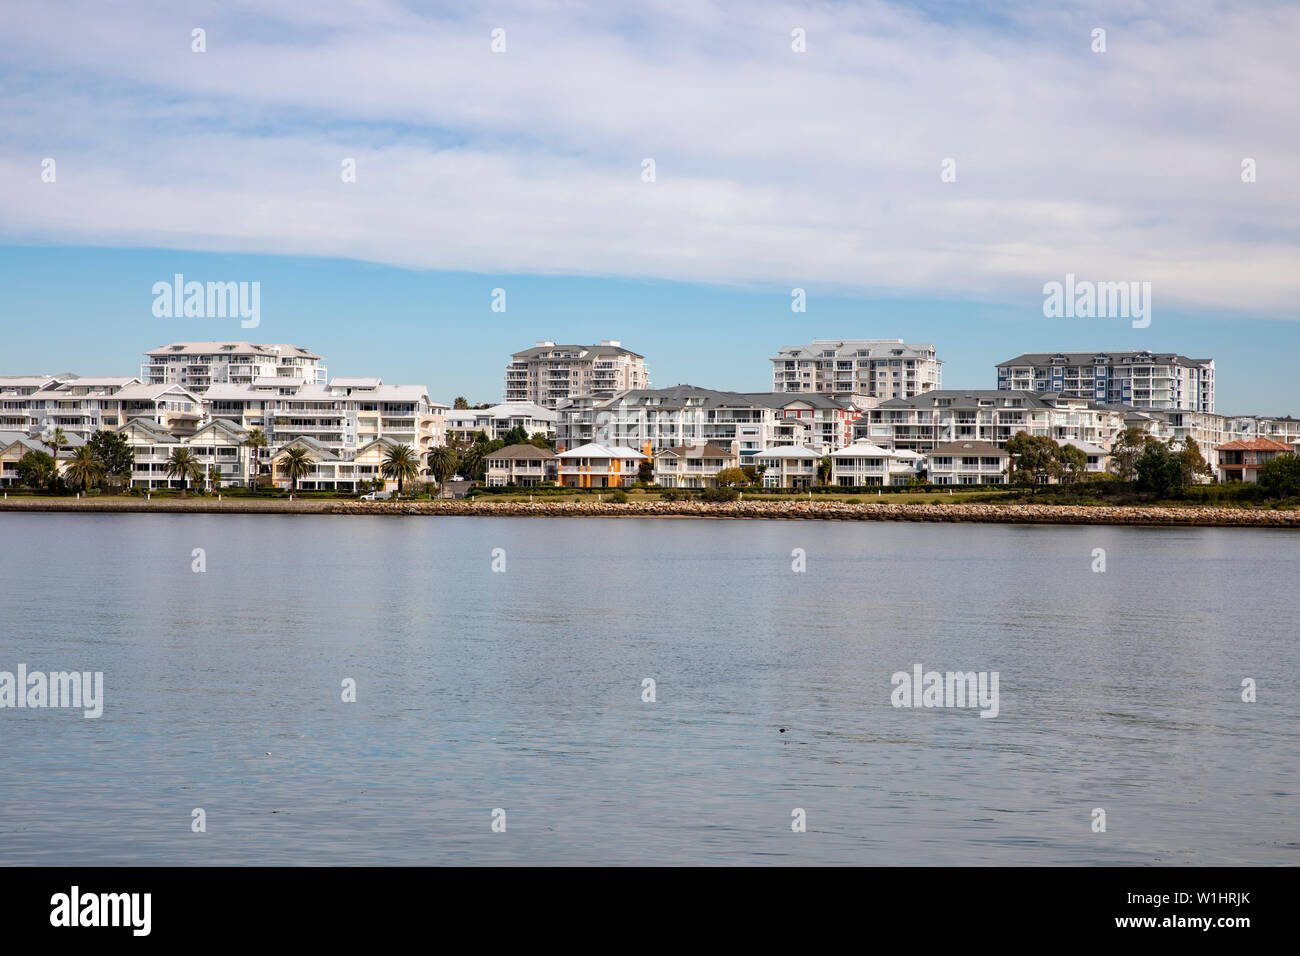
1280, 477
1159, 469
516, 436
255, 442
824, 468
540, 440
1126, 450
731, 476
114, 453
1073, 462
1192, 463
443, 462
296, 463
183, 465
54, 439
35, 469
402, 463
1035, 458
460, 402
84, 469
646, 472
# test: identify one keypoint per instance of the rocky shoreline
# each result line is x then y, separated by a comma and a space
786, 510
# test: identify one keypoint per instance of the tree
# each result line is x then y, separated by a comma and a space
1126, 450
646, 473
443, 462
516, 436
540, 440
460, 402
473, 461
1073, 461
1159, 469
183, 465
35, 469
1192, 463
1280, 477
731, 476
296, 463
84, 469
114, 453
402, 463
824, 468
54, 439
1035, 458
214, 477
255, 442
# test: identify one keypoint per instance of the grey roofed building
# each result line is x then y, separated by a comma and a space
1143, 379
522, 451
982, 448
1090, 358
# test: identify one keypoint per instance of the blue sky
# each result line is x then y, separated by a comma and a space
775, 169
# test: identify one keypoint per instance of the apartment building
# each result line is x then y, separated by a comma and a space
218, 447
1240, 460
599, 466
547, 374
522, 465
200, 365
879, 368
1285, 428
968, 463
83, 406
927, 421
1146, 380
497, 421
863, 463
15, 444
694, 466
343, 416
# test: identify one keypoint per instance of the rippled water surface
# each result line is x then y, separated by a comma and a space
522, 690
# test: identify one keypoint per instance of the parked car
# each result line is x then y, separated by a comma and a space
377, 496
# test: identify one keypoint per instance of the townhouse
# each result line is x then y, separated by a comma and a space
525, 466
547, 374
1241, 459
968, 463
793, 466
880, 368
595, 465
1141, 379
694, 466
863, 463
14, 445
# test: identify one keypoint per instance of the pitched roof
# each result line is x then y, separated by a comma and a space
1253, 444
522, 451
982, 448
592, 450
1088, 358
707, 450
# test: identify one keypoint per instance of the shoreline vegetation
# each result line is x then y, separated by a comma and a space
973, 511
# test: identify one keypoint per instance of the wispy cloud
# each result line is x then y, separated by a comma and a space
815, 169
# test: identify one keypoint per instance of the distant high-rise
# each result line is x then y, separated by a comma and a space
1149, 380
880, 368
547, 373
197, 365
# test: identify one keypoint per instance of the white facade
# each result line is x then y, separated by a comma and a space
863, 463
495, 422
548, 374
791, 467
1143, 379
200, 365
880, 368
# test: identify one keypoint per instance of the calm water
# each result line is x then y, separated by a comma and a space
522, 690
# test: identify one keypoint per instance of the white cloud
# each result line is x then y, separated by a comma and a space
817, 169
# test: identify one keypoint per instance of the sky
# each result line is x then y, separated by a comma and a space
920, 170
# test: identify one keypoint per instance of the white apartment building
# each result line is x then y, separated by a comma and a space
863, 463
82, 406
694, 466
1146, 380
547, 374
495, 422
926, 421
968, 463
1285, 428
879, 368
343, 416
200, 365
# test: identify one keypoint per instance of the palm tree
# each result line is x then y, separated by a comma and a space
214, 477
296, 463
183, 465
54, 439
84, 468
400, 462
443, 462
255, 442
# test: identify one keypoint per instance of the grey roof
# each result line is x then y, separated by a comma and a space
782, 399
1088, 358
987, 449
707, 450
587, 351
970, 397
522, 451
675, 397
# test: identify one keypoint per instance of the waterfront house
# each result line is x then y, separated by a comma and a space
522, 465
794, 466
599, 466
694, 466
863, 463
968, 463
1240, 460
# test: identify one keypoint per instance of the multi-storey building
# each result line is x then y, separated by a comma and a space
200, 365
1147, 380
794, 466
968, 463
880, 368
863, 463
495, 422
14, 445
599, 466
521, 465
1285, 429
926, 421
344, 415
547, 373
83, 406
694, 466
1241, 460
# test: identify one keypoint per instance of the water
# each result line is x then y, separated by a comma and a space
522, 691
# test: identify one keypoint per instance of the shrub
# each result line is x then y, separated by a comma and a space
719, 494
619, 497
